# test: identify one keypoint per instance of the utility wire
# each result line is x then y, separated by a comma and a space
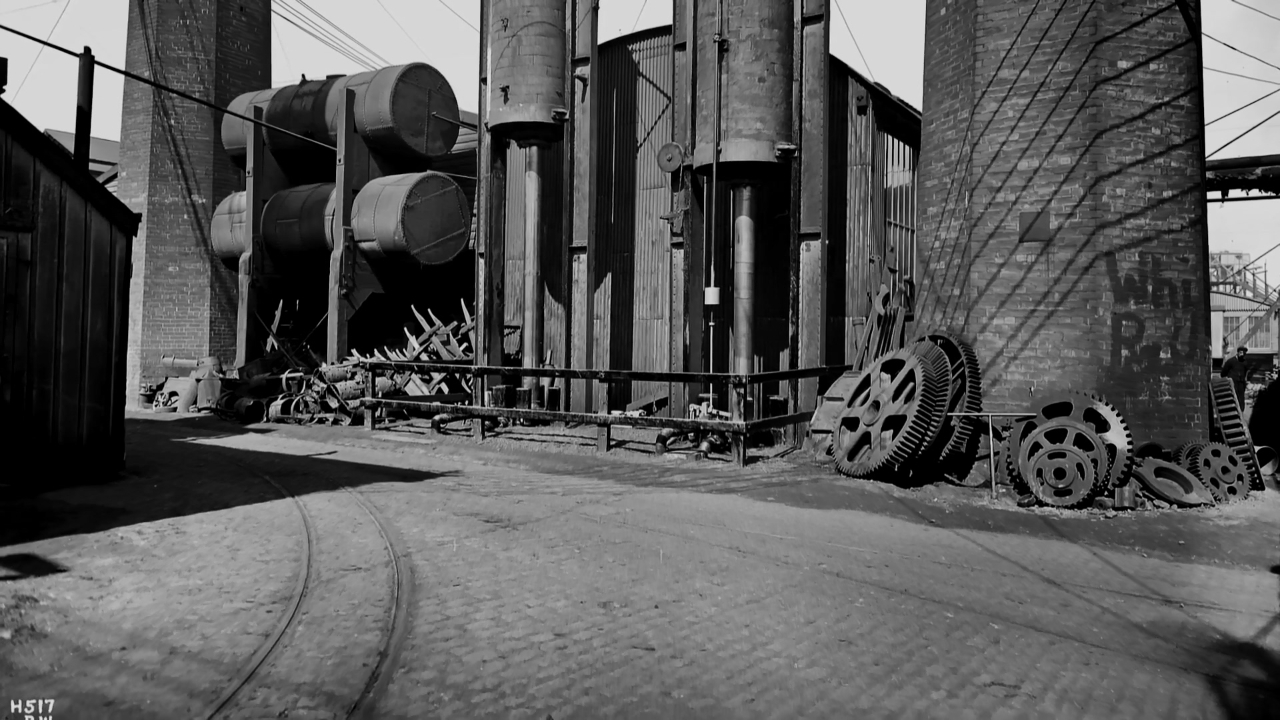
322, 34
371, 53
856, 46
406, 32
1260, 12
1242, 107
1242, 52
640, 14
1246, 132
287, 61
166, 88
32, 66
362, 62
455, 12
1246, 77
28, 7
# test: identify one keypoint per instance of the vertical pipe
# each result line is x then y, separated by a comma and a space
84, 109
532, 351
744, 271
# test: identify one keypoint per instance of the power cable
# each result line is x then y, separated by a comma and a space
1242, 52
339, 50
289, 63
1246, 77
1246, 132
371, 53
856, 46
166, 88
1260, 12
32, 66
28, 7
406, 32
639, 15
320, 33
1242, 107
455, 12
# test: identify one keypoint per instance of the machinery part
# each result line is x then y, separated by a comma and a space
1231, 428
670, 157
1061, 462
1268, 459
228, 231
424, 215
979, 474
957, 440
665, 436
753, 64
237, 131
1099, 416
821, 439
1171, 483
894, 411
526, 85
1183, 451
402, 110
300, 219
301, 109
1221, 470
1152, 449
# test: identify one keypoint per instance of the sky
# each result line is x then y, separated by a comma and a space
442, 33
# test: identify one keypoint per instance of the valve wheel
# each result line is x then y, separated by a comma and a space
895, 411
1060, 462
1221, 470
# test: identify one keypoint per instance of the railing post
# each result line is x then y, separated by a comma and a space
479, 391
604, 432
370, 391
738, 414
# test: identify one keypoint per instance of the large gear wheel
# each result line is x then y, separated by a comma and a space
1060, 462
1100, 417
895, 411
1220, 469
957, 441
830, 404
1230, 428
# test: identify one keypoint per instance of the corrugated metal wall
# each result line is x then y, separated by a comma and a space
633, 264
64, 284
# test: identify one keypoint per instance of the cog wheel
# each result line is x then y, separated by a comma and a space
1061, 461
895, 410
1181, 453
1230, 429
958, 439
830, 405
1099, 416
1220, 469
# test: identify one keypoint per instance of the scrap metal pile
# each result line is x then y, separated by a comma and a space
291, 385
911, 413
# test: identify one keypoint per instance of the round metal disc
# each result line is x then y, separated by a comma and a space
670, 156
1221, 470
1048, 475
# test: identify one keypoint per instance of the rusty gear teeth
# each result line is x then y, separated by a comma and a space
1221, 470
957, 441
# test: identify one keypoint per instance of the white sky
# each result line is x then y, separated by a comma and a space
891, 34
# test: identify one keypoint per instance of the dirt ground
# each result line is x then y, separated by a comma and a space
326, 572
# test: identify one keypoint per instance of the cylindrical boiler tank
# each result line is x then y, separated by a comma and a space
236, 131
228, 232
300, 219
301, 109
527, 86
424, 215
407, 109
461, 163
755, 80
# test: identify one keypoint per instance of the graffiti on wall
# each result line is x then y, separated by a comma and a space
1156, 323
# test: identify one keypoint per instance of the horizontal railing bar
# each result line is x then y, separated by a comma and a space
604, 375
463, 411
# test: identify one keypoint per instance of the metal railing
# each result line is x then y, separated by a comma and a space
737, 428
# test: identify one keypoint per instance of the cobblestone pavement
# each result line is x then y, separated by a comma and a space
580, 595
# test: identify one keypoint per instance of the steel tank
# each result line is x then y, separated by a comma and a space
300, 219
751, 102
421, 215
527, 83
405, 109
236, 132
301, 109
228, 232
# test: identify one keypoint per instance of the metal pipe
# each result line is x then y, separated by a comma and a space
532, 353
718, 39
744, 272
84, 109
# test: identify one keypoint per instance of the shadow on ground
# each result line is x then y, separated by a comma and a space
169, 476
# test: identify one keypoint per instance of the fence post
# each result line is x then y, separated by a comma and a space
370, 391
604, 432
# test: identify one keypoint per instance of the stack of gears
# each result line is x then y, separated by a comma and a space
905, 416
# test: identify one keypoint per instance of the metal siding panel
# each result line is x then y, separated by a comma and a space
121, 268
97, 419
860, 238
69, 385
44, 308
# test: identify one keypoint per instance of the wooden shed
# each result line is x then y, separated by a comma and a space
65, 259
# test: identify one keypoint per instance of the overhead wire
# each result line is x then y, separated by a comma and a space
1246, 132
1242, 107
1242, 52
406, 32
1260, 12
459, 16
280, 41
1246, 77
28, 7
370, 51
327, 43
39, 52
639, 15
166, 88
323, 35
854, 38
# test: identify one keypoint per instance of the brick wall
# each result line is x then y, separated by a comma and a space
173, 170
1092, 112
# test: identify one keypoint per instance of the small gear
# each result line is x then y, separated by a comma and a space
1181, 453
1061, 462
895, 410
1220, 469
958, 439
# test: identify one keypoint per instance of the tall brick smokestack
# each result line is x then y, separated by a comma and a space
1062, 218
173, 170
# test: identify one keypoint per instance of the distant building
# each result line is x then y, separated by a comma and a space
104, 156
1242, 307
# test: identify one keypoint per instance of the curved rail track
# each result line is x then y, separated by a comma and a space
395, 628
